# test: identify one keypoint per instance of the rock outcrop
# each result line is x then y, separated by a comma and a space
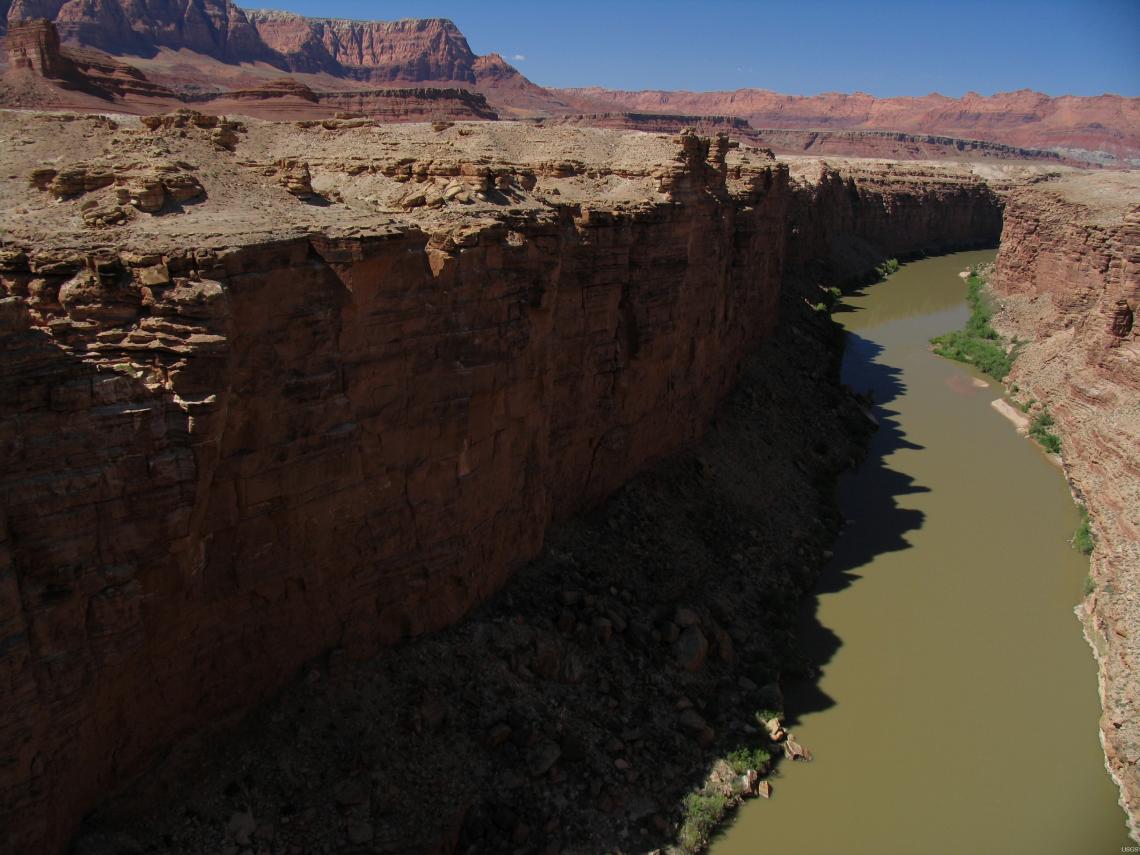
250, 430
1068, 274
411, 50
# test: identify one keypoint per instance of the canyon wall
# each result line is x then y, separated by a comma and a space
247, 427
1068, 276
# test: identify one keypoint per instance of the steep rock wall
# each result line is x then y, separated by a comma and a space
849, 215
220, 464
1068, 274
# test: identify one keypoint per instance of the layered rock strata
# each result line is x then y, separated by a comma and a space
894, 145
1101, 128
335, 399
42, 73
1068, 276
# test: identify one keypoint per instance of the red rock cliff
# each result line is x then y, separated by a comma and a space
339, 428
1084, 126
1069, 276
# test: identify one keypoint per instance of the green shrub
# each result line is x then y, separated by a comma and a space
744, 758
987, 356
891, 265
766, 715
1082, 537
979, 343
830, 298
1039, 430
1089, 586
703, 812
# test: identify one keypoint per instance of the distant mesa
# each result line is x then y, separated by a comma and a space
42, 73
147, 55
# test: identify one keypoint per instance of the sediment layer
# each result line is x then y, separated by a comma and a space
1068, 276
277, 390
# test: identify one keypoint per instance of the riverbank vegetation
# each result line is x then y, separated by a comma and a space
704, 811
830, 296
891, 265
737, 776
1039, 430
1082, 537
979, 344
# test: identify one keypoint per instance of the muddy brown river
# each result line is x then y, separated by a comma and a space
956, 707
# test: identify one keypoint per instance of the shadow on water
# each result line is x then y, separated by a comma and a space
875, 522
844, 307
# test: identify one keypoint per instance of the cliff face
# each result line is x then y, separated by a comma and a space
350, 425
42, 73
413, 50
215, 28
845, 212
1068, 274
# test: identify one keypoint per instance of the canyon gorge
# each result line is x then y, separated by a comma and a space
381, 431
350, 411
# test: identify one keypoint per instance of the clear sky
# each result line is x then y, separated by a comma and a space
806, 47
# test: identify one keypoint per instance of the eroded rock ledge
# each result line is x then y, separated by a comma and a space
334, 397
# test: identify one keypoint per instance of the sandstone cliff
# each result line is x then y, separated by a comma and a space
276, 390
215, 36
1068, 274
41, 73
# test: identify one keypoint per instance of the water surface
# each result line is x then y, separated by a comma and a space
956, 709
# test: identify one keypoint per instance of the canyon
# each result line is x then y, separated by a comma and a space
351, 425
276, 389
381, 432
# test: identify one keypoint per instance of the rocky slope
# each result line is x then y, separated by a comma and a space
281, 389
1068, 274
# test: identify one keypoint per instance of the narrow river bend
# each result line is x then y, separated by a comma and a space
956, 707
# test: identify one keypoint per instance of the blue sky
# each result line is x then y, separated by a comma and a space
807, 47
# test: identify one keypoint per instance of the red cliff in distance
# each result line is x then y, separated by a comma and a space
203, 46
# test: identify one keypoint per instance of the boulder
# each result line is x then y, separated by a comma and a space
691, 649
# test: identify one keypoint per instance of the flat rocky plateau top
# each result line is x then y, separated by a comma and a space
240, 183
81, 183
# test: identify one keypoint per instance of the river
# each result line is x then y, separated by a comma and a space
956, 707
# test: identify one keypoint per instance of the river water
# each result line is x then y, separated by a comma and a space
956, 707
